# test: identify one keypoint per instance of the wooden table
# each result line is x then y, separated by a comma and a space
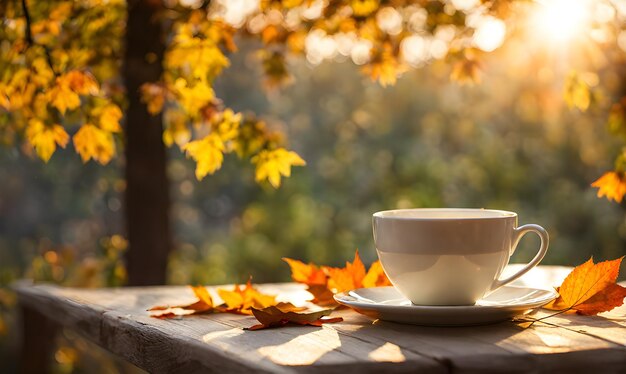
117, 320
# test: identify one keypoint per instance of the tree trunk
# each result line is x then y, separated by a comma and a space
147, 189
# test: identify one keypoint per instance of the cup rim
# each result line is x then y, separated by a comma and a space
497, 214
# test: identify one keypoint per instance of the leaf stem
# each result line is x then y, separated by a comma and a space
29, 37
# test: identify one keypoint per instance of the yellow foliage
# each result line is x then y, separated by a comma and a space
80, 82
228, 125
288, 4
45, 138
271, 165
363, 8
176, 129
109, 117
612, 185
201, 56
63, 98
207, 153
65, 94
576, 92
241, 300
193, 98
93, 143
385, 68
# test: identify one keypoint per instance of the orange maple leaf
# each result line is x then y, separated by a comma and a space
353, 276
376, 276
611, 184
591, 289
314, 277
323, 282
306, 273
202, 305
241, 300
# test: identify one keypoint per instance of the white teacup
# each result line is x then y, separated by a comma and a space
450, 256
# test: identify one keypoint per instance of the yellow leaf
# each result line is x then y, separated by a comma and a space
207, 153
110, 116
176, 129
228, 125
202, 305
242, 300
271, 165
65, 94
45, 138
363, 8
63, 98
576, 92
93, 143
612, 185
193, 98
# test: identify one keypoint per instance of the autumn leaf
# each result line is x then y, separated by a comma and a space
271, 165
612, 185
65, 94
80, 82
362, 8
109, 117
314, 277
193, 97
321, 295
63, 98
45, 138
93, 143
323, 282
590, 289
202, 305
207, 153
176, 129
241, 300
309, 273
376, 276
577, 93
384, 67
274, 316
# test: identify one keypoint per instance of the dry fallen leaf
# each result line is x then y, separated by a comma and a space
590, 289
323, 282
315, 278
306, 273
376, 276
274, 316
353, 276
241, 300
203, 305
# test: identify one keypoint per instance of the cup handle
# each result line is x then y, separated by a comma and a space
518, 233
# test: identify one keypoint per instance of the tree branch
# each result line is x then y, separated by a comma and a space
29, 37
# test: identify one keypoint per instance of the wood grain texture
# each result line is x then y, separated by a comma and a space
117, 320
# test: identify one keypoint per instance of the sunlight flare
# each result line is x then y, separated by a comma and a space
561, 20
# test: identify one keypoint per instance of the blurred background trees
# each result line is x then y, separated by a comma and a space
455, 108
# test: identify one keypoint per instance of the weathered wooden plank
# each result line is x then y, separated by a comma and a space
215, 342
117, 320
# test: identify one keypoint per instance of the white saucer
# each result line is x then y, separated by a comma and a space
387, 304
